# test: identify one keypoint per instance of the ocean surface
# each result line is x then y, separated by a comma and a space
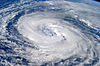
49, 33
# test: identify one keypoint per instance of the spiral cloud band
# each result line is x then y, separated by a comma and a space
49, 33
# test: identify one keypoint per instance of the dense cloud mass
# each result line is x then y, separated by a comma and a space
50, 33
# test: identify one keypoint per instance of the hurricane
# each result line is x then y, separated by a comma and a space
50, 33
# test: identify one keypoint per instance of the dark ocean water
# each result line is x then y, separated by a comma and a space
97, 0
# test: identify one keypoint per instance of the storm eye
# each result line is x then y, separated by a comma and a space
48, 31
